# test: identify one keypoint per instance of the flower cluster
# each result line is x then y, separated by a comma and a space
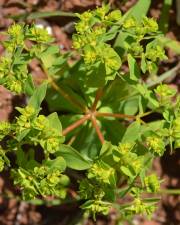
5, 129
99, 188
14, 64
155, 144
95, 188
37, 130
139, 32
41, 180
90, 41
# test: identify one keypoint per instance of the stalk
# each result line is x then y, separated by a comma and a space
76, 124
98, 131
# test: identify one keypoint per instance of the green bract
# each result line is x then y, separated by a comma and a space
98, 110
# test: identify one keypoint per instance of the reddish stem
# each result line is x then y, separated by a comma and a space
116, 115
98, 131
97, 98
76, 124
66, 95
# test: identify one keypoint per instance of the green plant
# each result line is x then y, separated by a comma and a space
101, 109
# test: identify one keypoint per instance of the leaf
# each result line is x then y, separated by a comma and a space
74, 159
172, 44
38, 96
87, 142
164, 18
169, 43
55, 122
143, 63
29, 87
147, 94
106, 149
127, 171
153, 126
139, 10
116, 91
20, 157
38, 15
178, 12
151, 200
57, 102
111, 34
22, 135
114, 130
133, 67
132, 132
130, 107
97, 75
58, 163
49, 55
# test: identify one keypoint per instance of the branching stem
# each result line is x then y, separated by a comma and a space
96, 100
98, 131
66, 95
116, 115
76, 124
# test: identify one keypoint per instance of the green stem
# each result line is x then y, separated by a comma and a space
115, 115
170, 191
164, 76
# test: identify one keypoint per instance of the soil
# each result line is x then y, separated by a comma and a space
15, 212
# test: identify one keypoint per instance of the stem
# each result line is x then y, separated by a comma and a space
98, 131
97, 98
72, 193
164, 76
170, 191
116, 115
66, 95
70, 142
76, 124
146, 114
62, 92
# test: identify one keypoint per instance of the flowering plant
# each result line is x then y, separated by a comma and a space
98, 122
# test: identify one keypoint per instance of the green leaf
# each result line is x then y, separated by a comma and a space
106, 149
132, 132
116, 91
22, 135
38, 15
20, 157
151, 200
130, 107
111, 34
87, 142
143, 63
74, 159
29, 87
55, 122
58, 163
49, 55
139, 10
164, 18
147, 94
38, 96
114, 130
127, 171
97, 75
133, 67
170, 73
169, 43
57, 102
